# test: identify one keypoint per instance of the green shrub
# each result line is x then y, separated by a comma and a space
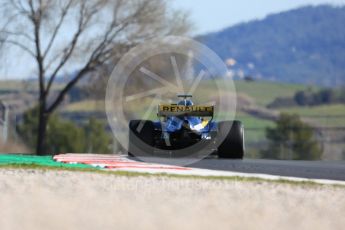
64, 136
291, 139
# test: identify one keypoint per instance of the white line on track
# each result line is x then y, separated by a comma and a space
122, 163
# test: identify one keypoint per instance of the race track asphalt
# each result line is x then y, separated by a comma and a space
302, 169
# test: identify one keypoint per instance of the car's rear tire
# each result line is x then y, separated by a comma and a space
141, 138
233, 145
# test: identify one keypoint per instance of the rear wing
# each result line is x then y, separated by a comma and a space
182, 110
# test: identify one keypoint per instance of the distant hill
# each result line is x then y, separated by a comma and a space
305, 45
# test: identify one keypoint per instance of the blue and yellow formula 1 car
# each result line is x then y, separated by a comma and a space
184, 128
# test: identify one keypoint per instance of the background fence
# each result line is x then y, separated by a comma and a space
4, 122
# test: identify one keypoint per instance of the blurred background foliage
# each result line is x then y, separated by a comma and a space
65, 136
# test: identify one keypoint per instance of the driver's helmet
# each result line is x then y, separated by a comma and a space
185, 102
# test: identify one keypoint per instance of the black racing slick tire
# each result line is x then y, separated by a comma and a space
141, 138
232, 146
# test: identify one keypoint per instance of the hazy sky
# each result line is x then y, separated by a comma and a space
213, 15
207, 15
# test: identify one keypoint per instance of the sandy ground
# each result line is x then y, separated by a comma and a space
36, 199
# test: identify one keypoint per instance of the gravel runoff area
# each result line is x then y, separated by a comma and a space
52, 199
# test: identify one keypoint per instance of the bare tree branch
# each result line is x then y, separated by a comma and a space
57, 27
18, 5
19, 45
32, 10
83, 19
65, 90
36, 21
18, 34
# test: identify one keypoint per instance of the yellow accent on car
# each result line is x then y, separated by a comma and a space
204, 123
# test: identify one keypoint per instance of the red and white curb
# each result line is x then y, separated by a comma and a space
114, 162
122, 163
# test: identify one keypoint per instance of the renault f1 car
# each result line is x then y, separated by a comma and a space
183, 125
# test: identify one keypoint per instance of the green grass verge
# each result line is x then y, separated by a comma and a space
13, 85
264, 92
85, 106
324, 115
18, 159
19, 85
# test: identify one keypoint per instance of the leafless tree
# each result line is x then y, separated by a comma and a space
59, 34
